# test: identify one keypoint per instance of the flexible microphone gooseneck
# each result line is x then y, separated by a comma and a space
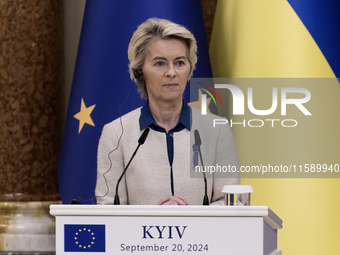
198, 143
141, 141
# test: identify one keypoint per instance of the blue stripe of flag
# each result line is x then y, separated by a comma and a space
322, 20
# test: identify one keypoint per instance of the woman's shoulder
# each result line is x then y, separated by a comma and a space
129, 118
197, 114
209, 124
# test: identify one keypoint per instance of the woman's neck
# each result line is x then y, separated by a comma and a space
166, 114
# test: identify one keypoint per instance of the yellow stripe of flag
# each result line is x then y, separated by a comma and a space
266, 38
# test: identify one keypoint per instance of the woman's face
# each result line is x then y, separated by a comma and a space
166, 70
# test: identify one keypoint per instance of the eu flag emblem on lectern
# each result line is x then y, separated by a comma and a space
84, 238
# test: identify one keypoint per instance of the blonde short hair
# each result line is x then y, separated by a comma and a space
151, 30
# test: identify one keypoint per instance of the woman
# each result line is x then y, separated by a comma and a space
162, 58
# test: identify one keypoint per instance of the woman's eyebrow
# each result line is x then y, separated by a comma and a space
163, 58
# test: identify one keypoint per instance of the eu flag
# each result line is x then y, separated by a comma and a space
102, 89
84, 238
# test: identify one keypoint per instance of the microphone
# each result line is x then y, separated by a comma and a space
143, 137
141, 141
198, 143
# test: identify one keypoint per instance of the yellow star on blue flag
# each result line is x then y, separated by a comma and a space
198, 103
84, 115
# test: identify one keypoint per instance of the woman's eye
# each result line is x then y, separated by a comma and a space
159, 63
180, 63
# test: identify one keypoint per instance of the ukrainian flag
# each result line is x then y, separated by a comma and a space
288, 39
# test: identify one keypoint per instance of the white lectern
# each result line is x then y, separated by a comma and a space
148, 230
